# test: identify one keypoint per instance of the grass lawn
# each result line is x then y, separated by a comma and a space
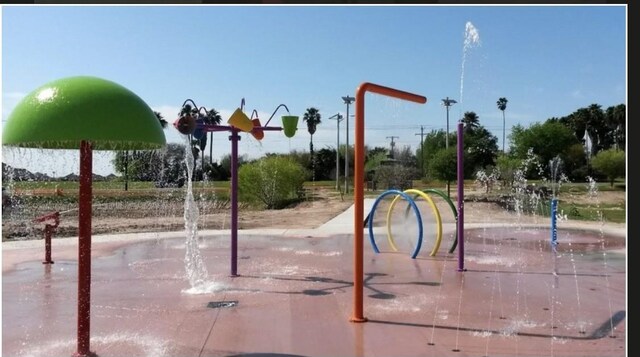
109, 191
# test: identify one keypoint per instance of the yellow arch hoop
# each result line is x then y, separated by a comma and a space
436, 213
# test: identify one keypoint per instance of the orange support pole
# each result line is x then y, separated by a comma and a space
358, 189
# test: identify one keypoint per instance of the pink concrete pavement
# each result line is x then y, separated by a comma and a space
294, 297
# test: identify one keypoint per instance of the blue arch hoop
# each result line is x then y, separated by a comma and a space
408, 198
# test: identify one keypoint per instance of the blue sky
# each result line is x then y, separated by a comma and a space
547, 61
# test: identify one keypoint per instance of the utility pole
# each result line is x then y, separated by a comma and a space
448, 103
421, 149
347, 100
392, 143
338, 118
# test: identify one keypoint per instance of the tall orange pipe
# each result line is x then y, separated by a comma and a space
358, 189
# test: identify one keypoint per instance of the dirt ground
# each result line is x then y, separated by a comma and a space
322, 205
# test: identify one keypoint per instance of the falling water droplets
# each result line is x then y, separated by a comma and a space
471, 40
195, 268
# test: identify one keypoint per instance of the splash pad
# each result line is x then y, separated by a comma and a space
510, 300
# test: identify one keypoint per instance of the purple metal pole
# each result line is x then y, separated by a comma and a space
460, 196
234, 138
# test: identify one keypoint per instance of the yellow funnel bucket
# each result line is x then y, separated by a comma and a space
290, 125
240, 121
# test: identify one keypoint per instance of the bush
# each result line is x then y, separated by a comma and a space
274, 181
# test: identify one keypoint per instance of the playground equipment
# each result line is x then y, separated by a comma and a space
460, 177
88, 113
49, 228
411, 204
358, 189
238, 122
554, 220
358, 196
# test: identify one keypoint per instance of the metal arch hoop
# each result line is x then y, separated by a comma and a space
416, 210
436, 213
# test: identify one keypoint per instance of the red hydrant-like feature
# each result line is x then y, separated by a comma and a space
49, 228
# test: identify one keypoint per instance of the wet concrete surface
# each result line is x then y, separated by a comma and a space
294, 297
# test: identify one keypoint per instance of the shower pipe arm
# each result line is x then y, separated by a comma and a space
274, 113
195, 106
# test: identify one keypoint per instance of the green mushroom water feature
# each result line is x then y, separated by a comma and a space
86, 113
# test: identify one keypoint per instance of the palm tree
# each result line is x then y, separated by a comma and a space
471, 121
212, 118
502, 105
312, 118
163, 122
188, 110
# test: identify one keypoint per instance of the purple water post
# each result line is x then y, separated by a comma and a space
234, 138
460, 196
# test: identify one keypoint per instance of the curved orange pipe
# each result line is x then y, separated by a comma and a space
358, 189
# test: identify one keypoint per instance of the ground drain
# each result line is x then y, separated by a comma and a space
218, 304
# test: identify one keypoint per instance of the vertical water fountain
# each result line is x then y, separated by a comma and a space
471, 40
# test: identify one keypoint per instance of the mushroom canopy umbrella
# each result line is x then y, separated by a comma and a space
63, 113
87, 113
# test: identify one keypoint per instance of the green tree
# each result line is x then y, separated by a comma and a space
374, 160
165, 167
325, 164
443, 165
481, 149
507, 166
546, 140
313, 118
502, 105
124, 158
225, 162
216, 172
433, 142
616, 118
575, 162
610, 163
591, 119
406, 157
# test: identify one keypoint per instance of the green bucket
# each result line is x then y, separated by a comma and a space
290, 125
